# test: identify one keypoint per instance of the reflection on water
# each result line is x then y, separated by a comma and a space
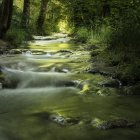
41, 90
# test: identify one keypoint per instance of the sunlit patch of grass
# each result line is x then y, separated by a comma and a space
99, 36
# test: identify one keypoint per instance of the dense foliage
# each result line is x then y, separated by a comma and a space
112, 22
118, 20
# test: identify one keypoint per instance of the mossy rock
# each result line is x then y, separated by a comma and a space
109, 92
56, 118
132, 90
110, 83
114, 124
103, 70
14, 51
61, 120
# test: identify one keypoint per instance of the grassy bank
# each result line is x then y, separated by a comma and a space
110, 49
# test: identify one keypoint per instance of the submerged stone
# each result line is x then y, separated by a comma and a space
113, 124
39, 52
65, 51
56, 118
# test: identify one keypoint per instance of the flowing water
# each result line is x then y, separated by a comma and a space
51, 82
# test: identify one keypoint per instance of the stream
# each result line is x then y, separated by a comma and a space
50, 97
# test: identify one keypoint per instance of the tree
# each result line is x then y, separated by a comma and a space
106, 9
42, 15
26, 14
5, 16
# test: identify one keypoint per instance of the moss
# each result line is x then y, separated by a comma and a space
85, 89
97, 122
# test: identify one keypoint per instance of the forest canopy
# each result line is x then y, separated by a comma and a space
114, 22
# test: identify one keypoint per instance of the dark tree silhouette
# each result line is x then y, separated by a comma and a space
42, 15
5, 16
26, 14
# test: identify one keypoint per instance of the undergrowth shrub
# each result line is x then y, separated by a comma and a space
129, 73
82, 34
16, 36
126, 26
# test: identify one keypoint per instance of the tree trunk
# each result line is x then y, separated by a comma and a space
25, 14
106, 10
5, 16
42, 15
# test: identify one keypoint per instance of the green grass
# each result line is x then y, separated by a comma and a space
99, 37
82, 34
